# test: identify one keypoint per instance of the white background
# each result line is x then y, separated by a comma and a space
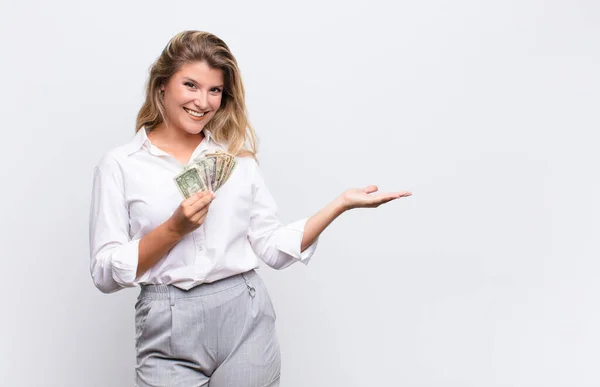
486, 110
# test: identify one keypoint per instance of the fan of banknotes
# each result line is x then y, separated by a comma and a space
208, 172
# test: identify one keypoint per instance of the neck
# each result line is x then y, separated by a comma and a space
172, 135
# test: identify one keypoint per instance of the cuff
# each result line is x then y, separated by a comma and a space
125, 263
291, 241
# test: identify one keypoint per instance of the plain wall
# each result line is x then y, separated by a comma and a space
486, 111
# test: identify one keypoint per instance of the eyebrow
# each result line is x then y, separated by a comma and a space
193, 80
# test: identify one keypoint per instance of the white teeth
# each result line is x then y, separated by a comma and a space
195, 114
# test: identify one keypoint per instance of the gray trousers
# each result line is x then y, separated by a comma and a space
218, 334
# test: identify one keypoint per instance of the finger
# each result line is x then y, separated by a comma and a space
198, 212
202, 202
198, 216
388, 199
370, 189
194, 198
384, 198
195, 216
396, 195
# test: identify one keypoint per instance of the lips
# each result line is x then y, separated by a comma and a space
194, 113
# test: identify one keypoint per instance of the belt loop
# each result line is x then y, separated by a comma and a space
171, 295
251, 289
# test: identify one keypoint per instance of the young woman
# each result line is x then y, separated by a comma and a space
203, 314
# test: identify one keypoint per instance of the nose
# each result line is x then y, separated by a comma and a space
201, 101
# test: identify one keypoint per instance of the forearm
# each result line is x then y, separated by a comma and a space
155, 245
317, 223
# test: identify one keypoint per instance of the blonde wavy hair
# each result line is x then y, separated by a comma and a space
230, 123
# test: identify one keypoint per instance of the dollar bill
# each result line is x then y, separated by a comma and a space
223, 162
189, 182
208, 172
230, 168
219, 163
211, 168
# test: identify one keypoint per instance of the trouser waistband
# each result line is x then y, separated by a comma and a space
164, 292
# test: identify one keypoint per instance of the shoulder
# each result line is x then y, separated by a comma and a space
109, 172
112, 159
248, 166
115, 158
246, 161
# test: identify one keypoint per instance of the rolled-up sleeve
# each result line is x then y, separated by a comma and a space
276, 244
113, 255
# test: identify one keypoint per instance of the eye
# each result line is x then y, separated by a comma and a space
216, 89
190, 84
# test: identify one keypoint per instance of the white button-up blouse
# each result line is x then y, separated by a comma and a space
134, 192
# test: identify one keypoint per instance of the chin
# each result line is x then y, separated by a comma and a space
194, 130
191, 128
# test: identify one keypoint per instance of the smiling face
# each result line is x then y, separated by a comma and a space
192, 96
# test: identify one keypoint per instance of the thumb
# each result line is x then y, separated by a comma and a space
370, 189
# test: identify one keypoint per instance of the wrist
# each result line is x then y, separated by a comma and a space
174, 232
340, 204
